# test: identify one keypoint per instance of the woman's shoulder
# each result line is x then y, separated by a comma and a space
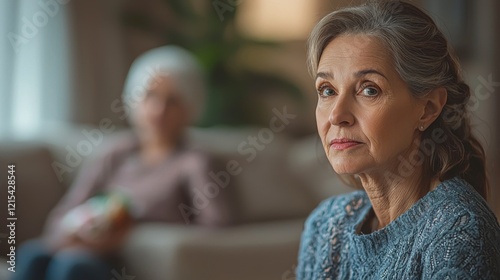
462, 233
113, 149
459, 214
343, 208
331, 220
457, 199
119, 143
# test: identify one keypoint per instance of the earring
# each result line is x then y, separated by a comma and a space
421, 128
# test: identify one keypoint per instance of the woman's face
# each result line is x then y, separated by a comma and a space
365, 114
162, 112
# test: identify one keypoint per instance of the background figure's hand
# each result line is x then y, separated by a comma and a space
102, 240
100, 225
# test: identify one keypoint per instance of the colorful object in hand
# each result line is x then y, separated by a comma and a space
97, 216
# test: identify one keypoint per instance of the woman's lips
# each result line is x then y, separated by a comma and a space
344, 143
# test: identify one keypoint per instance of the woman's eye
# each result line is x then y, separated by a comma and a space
326, 91
370, 91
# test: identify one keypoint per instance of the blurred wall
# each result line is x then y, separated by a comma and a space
100, 58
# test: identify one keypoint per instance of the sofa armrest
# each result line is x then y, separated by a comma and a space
254, 251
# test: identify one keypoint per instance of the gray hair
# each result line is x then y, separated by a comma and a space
167, 61
425, 61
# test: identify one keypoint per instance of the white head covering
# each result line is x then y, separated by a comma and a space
171, 61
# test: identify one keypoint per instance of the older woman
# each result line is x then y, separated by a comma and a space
159, 176
392, 118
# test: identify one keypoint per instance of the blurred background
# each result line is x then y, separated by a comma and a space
63, 64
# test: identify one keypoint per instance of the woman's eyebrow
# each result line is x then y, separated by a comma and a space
324, 75
369, 71
360, 73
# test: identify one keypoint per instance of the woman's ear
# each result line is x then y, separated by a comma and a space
434, 103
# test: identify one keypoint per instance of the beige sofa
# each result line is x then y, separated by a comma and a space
276, 190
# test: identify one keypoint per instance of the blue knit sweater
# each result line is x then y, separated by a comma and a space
448, 234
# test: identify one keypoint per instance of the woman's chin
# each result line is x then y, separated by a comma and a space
344, 171
345, 168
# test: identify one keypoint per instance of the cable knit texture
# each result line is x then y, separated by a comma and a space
448, 234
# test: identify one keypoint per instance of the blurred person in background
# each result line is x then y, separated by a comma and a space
146, 176
393, 118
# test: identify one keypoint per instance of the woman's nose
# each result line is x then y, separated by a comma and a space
341, 111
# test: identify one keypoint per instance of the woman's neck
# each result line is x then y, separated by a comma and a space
391, 194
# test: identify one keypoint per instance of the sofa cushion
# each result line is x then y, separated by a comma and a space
155, 251
266, 189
